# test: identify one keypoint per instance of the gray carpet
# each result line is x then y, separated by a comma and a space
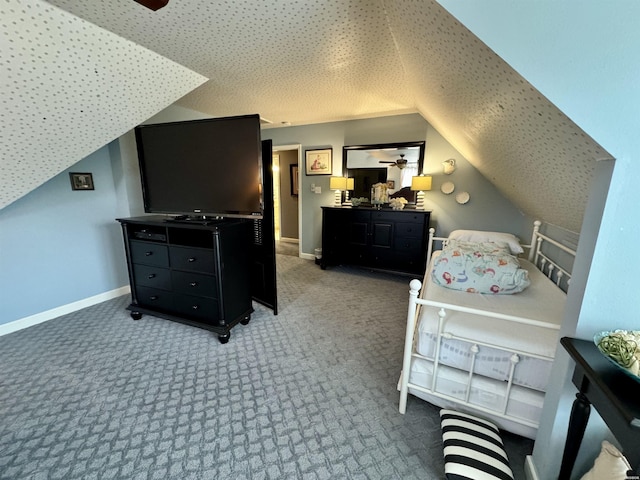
308, 394
287, 248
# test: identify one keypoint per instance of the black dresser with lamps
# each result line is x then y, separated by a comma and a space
386, 239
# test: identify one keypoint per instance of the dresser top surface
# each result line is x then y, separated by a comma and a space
372, 209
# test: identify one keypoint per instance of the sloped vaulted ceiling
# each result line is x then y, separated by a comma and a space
326, 60
68, 88
506, 128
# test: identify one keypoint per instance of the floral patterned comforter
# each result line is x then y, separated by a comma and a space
486, 267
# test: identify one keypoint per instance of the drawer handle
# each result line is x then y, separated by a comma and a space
151, 275
195, 307
148, 254
192, 259
153, 297
194, 284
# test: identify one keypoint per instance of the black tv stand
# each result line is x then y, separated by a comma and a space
195, 219
198, 274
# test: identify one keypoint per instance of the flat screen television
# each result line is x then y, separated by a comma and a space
201, 169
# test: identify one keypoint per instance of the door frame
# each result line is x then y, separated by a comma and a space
298, 148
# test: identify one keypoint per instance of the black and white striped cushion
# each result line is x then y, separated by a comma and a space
473, 448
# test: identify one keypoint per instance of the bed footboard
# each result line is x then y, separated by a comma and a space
498, 410
491, 371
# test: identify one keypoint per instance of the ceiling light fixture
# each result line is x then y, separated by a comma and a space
153, 4
400, 163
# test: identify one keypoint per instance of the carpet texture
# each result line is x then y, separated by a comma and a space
307, 394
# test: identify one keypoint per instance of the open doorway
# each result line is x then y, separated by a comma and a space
287, 199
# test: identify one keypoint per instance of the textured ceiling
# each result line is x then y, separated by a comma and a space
325, 60
534, 154
62, 91
289, 60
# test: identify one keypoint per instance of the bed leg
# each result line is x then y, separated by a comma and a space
414, 288
403, 395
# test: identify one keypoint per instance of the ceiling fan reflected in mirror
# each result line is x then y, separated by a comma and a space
400, 163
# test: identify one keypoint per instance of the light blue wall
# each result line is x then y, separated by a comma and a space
487, 209
584, 57
59, 246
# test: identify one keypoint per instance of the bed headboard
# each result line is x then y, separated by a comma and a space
552, 257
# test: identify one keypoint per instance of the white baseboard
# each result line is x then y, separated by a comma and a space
308, 256
62, 310
289, 240
530, 468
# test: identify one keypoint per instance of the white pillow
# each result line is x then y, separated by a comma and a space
610, 465
496, 237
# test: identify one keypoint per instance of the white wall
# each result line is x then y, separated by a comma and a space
583, 57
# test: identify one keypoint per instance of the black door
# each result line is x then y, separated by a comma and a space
263, 288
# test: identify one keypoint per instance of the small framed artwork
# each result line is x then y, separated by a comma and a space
81, 181
294, 178
318, 162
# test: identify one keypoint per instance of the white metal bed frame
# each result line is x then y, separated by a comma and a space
540, 260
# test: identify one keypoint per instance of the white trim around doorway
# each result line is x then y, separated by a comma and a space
298, 147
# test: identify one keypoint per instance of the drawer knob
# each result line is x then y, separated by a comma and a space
194, 284
195, 307
148, 254
153, 297
192, 259
151, 275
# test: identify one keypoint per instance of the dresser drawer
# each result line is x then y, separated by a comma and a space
149, 276
192, 259
148, 253
408, 245
384, 216
411, 264
409, 229
195, 284
198, 308
359, 216
411, 217
154, 298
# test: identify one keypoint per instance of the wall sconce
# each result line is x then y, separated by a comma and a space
420, 184
338, 184
449, 166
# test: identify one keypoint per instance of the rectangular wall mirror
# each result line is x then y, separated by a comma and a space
391, 163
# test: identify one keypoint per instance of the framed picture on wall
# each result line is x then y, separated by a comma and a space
81, 181
318, 162
294, 179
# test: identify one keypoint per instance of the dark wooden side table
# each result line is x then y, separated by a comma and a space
613, 393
